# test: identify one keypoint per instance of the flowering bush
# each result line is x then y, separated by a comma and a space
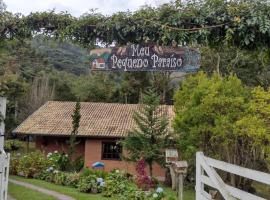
158, 194
116, 183
30, 165
14, 163
143, 181
60, 178
72, 179
88, 184
59, 161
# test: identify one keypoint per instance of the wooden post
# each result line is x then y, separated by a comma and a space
28, 140
4, 158
2, 124
173, 176
180, 189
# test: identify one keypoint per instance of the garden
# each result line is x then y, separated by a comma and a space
46, 171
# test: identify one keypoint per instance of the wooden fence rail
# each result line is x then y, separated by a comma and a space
207, 175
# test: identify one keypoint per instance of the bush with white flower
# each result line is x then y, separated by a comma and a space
157, 194
29, 165
59, 160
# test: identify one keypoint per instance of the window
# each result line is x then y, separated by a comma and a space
111, 151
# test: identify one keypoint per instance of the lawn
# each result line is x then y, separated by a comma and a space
188, 193
61, 189
22, 193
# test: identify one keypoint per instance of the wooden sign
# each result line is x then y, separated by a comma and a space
146, 57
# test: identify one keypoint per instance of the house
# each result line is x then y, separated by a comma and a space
101, 126
98, 63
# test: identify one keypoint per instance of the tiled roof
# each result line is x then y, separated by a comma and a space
97, 119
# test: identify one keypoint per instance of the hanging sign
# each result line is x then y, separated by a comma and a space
146, 57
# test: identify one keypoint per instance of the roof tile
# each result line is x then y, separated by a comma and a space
97, 119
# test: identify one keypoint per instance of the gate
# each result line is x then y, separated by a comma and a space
207, 175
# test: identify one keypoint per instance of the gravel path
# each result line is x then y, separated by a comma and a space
42, 190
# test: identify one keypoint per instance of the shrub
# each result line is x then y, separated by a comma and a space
46, 176
98, 173
115, 183
158, 194
13, 145
14, 164
72, 179
60, 178
59, 160
143, 181
32, 164
88, 183
78, 164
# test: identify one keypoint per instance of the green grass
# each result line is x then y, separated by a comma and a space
61, 189
22, 193
189, 194
262, 189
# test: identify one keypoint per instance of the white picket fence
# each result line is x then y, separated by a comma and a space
4, 157
207, 175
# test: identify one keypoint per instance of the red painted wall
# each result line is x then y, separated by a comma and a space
50, 144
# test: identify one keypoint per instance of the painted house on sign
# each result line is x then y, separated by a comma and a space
102, 125
98, 63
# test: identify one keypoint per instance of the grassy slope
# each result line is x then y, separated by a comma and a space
21, 193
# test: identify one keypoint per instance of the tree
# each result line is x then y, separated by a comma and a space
225, 120
76, 117
148, 139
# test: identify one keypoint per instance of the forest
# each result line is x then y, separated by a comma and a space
45, 55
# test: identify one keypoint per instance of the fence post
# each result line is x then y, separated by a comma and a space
199, 171
4, 158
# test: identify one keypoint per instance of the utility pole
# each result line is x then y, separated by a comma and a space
4, 157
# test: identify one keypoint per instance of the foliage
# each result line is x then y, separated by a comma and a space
14, 164
29, 165
60, 178
59, 160
209, 22
88, 184
148, 140
13, 145
99, 173
143, 181
76, 117
117, 184
72, 179
224, 119
251, 66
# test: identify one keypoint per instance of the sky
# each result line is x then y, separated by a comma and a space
78, 7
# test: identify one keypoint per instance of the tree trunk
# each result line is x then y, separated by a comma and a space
151, 169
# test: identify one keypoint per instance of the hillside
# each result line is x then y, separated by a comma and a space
63, 56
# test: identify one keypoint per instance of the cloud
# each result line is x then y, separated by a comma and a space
78, 7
